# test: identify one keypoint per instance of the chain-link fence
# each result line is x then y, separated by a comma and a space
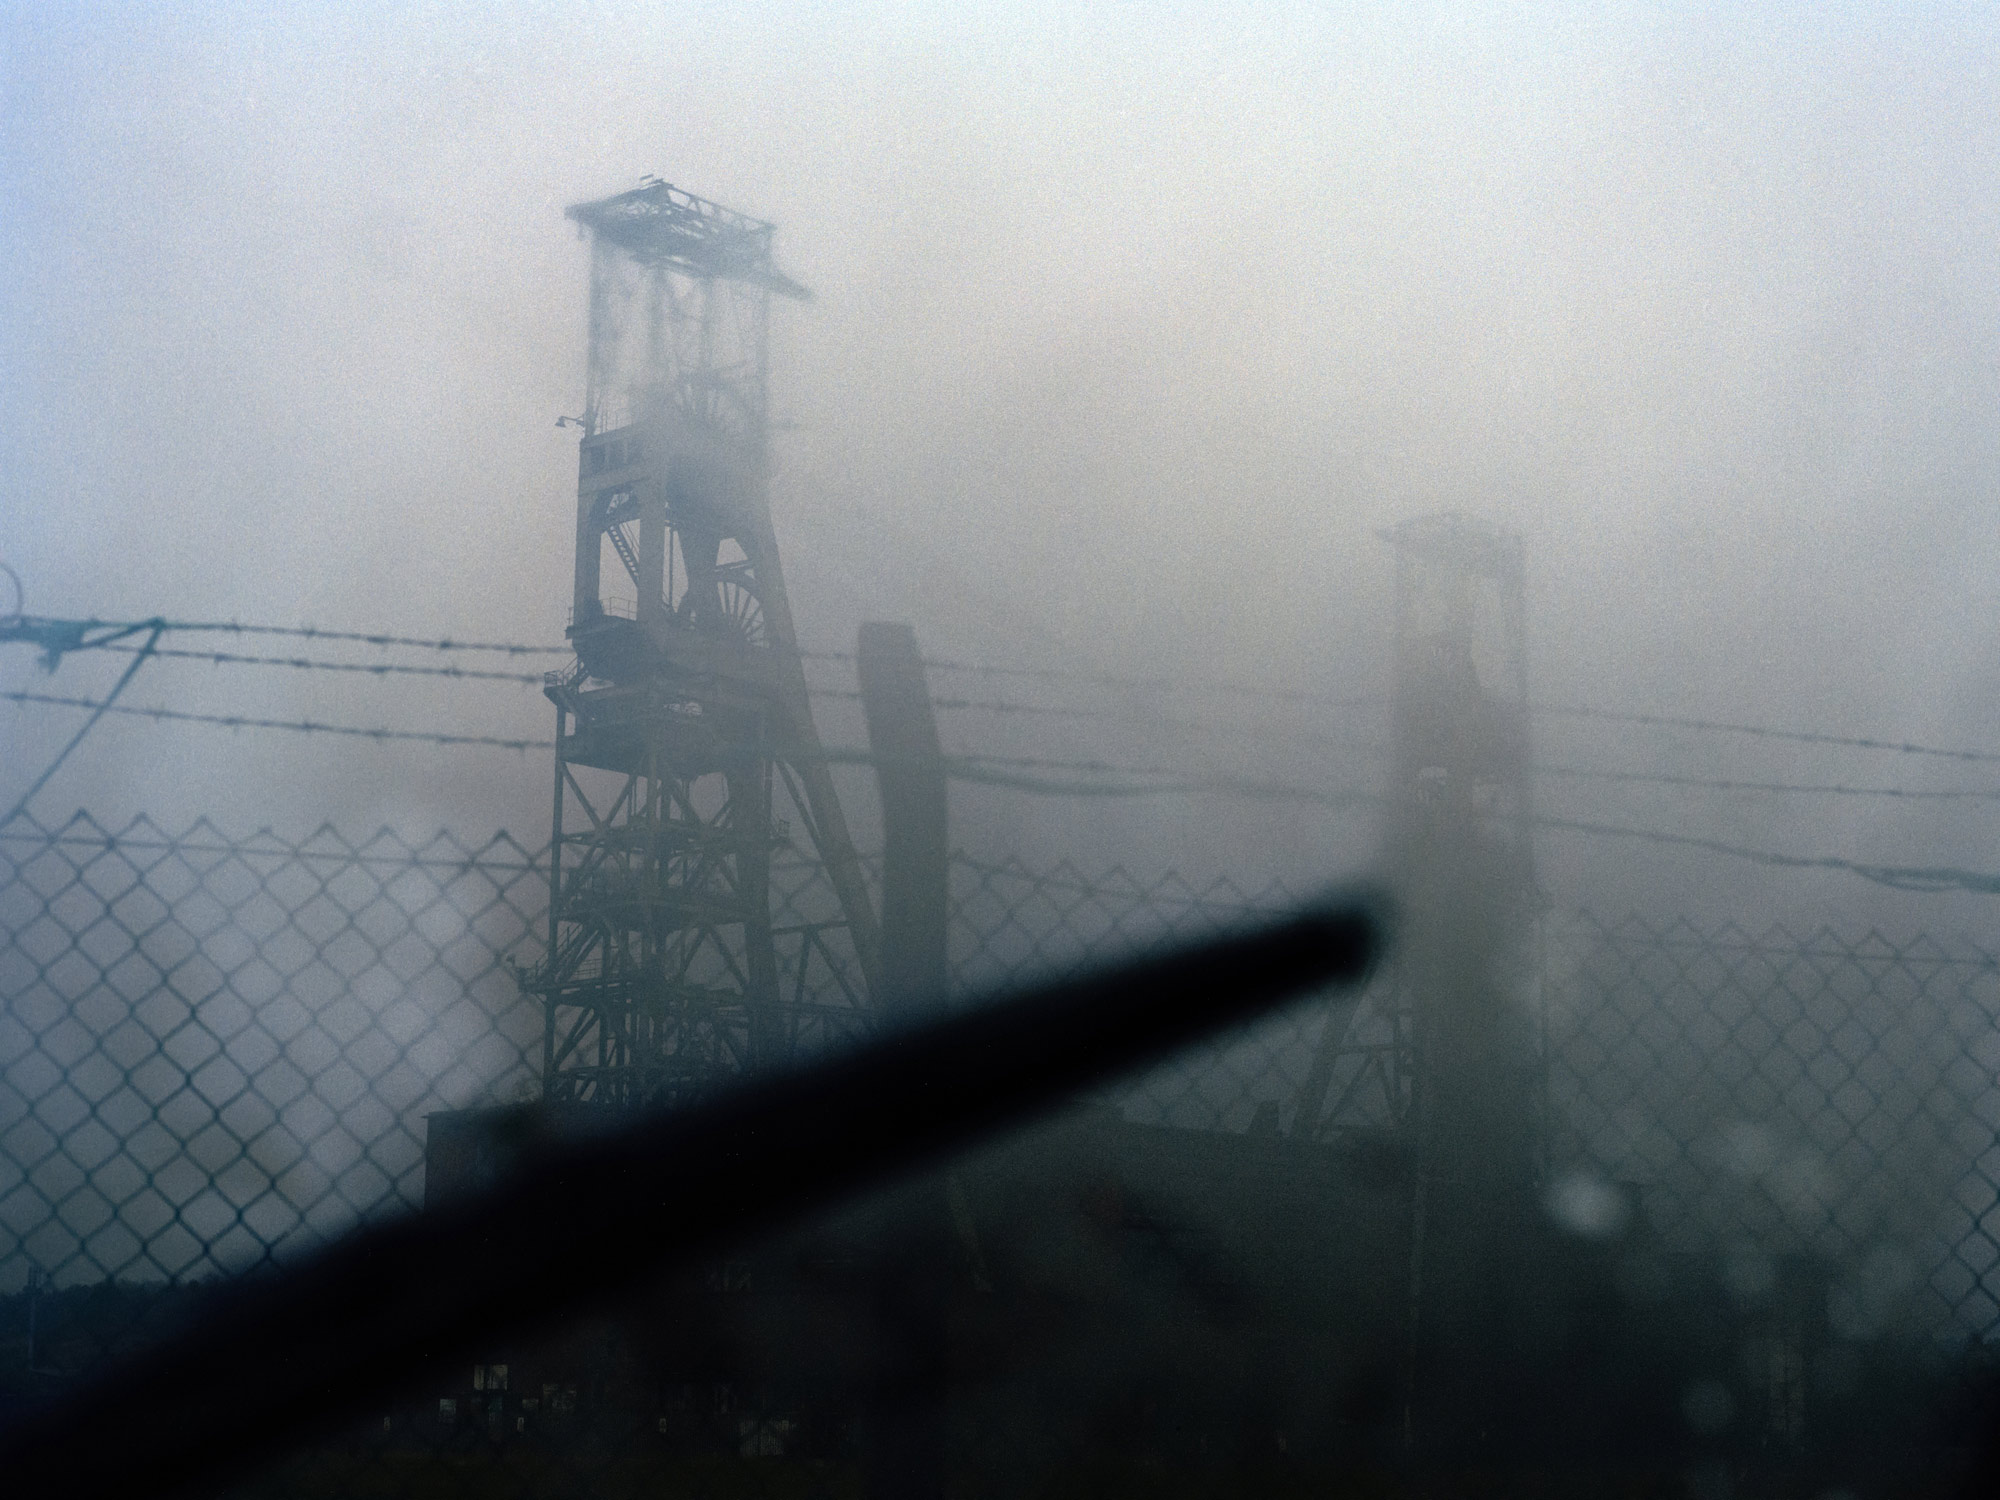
217, 1050
1774, 1094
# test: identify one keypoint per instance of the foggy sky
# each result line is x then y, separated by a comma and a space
1133, 325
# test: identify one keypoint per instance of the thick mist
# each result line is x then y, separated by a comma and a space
1132, 330
1137, 333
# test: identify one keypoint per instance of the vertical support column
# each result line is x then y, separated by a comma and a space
909, 770
906, 1424
589, 552
555, 905
750, 815
652, 580
597, 372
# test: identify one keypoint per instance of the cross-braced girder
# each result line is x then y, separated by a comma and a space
686, 715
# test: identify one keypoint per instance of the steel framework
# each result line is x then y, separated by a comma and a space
1462, 841
685, 712
1438, 1052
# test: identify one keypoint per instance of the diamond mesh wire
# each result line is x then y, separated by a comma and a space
215, 1051
1776, 1094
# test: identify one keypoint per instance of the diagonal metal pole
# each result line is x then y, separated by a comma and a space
276, 1361
138, 661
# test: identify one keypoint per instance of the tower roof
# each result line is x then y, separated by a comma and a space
659, 224
1461, 541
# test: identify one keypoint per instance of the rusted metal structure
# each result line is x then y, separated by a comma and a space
684, 724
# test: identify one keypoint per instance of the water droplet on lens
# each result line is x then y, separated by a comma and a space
1586, 1205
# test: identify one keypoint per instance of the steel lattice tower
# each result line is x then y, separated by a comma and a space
1461, 839
1439, 1051
1464, 1010
685, 714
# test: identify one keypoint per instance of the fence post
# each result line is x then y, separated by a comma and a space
906, 1424
909, 770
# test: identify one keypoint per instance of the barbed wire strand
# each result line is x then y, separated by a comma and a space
1758, 731
971, 768
1726, 784
1926, 879
535, 679
836, 755
1292, 732
1569, 711
1263, 691
939, 664
365, 637
1092, 767
366, 668
300, 726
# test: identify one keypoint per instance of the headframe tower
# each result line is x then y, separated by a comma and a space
1465, 1016
1461, 845
685, 715
1441, 1053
